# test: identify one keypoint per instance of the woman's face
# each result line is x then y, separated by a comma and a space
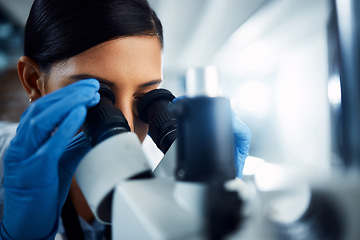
130, 66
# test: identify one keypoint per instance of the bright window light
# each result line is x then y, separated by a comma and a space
334, 90
253, 96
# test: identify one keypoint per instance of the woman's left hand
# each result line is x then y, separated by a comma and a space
242, 143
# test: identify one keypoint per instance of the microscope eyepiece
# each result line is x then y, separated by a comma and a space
153, 108
104, 120
106, 93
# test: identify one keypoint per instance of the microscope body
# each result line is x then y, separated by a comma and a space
151, 208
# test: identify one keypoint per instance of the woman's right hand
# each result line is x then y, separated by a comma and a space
31, 162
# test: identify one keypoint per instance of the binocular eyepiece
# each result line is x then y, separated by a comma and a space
105, 120
153, 108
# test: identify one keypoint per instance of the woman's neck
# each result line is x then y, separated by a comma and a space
81, 206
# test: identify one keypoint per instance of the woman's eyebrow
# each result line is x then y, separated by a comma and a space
78, 77
150, 83
86, 76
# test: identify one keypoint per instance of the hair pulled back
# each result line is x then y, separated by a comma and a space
60, 29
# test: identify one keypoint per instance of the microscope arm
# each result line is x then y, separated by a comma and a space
109, 163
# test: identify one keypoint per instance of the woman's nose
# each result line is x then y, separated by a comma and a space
126, 109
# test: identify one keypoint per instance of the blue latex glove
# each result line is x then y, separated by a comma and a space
32, 202
69, 161
242, 143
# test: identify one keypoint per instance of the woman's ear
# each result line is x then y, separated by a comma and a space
31, 77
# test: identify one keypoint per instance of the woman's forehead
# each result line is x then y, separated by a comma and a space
133, 59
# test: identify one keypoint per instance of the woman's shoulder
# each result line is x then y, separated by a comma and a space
7, 132
8, 127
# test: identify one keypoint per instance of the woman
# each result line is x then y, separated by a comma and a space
71, 46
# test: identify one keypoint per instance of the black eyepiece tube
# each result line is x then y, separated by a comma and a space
104, 120
153, 108
206, 147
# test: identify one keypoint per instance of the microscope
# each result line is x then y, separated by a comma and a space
185, 197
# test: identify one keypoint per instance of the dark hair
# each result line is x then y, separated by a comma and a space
60, 29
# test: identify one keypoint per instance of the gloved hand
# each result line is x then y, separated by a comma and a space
69, 161
32, 202
242, 143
